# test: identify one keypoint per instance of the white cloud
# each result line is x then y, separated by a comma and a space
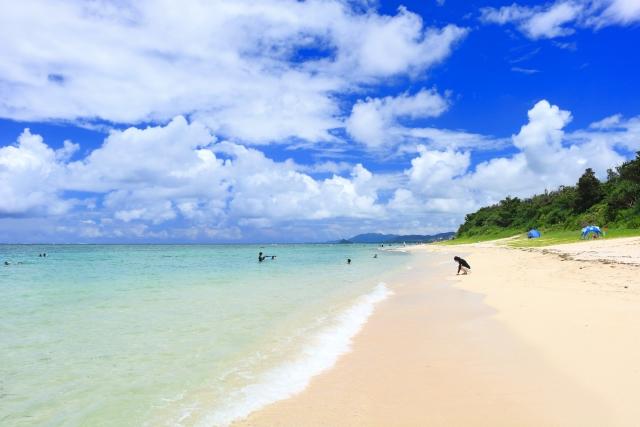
607, 122
542, 137
374, 122
452, 139
505, 14
264, 189
381, 124
539, 21
563, 16
621, 12
388, 46
550, 23
136, 159
177, 182
442, 180
614, 130
433, 172
176, 172
547, 157
235, 66
30, 176
328, 166
525, 70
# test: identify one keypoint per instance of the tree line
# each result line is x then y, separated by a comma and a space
614, 203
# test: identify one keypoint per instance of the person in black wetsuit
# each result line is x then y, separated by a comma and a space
263, 257
462, 265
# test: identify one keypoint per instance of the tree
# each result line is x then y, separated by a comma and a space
630, 170
589, 191
615, 202
508, 211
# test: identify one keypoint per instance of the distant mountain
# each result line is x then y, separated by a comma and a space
395, 238
371, 238
414, 238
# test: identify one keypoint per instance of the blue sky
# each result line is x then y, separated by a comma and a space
302, 121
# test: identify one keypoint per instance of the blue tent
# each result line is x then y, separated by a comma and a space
533, 234
590, 229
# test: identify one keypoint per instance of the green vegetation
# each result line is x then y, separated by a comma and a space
519, 239
560, 214
564, 236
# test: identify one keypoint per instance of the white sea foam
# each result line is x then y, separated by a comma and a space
291, 378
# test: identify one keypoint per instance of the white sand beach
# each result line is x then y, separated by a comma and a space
534, 337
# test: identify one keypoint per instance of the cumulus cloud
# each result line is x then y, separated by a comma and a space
547, 157
562, 17
388, 123
433, 172
389, 46
30, 176
176, 172
178, 181
253, 71
542, 137
374, 122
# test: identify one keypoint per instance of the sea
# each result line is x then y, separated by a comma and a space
193, 335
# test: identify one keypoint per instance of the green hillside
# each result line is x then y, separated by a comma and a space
614, 204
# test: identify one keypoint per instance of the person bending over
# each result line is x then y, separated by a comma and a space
462, 265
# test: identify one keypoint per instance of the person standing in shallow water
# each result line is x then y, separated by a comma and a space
462, 265
263, 257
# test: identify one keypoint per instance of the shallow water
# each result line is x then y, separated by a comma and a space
175, 335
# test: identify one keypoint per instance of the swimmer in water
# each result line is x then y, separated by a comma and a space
264, 257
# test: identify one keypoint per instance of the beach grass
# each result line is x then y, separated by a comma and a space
556, 237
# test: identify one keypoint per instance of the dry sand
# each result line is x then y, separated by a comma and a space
531, 337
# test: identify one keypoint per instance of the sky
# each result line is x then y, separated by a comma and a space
302, 121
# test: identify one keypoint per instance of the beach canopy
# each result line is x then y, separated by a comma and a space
591, 229
533, 234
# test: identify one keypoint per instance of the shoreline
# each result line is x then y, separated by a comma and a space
319, 355
484, 349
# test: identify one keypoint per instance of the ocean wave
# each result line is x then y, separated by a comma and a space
291, 378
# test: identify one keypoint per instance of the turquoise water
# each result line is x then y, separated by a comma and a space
173, 335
